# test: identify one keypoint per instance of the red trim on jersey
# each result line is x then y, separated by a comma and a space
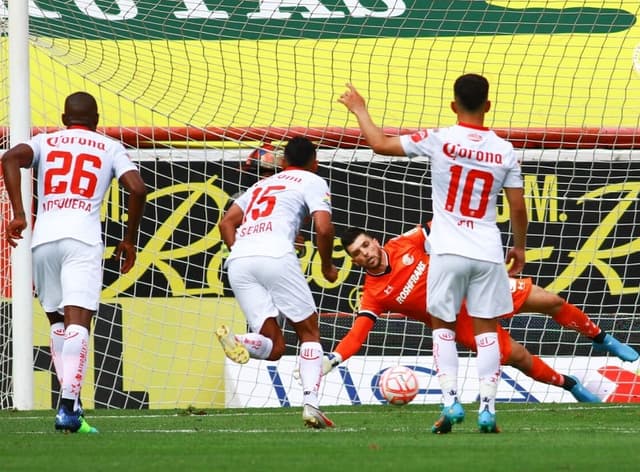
469, 125
79, 127
419, 135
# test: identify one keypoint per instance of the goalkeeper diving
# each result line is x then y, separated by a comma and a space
395, 282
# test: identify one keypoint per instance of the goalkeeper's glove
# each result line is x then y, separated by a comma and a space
330, 361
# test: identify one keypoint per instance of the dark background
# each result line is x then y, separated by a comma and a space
386, 198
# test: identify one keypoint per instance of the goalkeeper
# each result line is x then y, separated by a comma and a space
395, 281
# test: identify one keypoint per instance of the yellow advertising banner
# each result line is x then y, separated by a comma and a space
169, 352
551, 64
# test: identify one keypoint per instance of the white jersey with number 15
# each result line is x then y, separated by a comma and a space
274, 209
469, 168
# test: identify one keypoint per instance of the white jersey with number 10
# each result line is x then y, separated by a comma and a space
274, 208
469, 168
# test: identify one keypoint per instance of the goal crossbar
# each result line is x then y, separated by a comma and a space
348, 138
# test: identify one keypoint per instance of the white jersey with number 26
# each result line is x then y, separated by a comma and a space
469, 168
274, 209
75, 167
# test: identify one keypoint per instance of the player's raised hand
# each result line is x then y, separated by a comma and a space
330, 273
128, 251
14, 230
352, 99
298, 244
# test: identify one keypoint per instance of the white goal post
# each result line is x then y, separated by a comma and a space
20, 270
193, 89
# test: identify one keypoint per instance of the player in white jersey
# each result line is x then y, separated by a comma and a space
75, 168
470, 166
265, 275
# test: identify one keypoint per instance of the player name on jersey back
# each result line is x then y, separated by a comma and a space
274, 209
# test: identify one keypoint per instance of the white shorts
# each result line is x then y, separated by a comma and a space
484, 285
266, 287
68, 272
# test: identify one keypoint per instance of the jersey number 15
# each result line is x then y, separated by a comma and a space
262, 202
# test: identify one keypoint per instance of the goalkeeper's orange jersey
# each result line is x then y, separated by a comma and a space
402, 289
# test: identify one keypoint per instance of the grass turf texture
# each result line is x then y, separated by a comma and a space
535, 437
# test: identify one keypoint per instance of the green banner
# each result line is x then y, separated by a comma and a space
327, 19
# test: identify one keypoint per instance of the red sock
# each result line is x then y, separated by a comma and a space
574, 318
542, 372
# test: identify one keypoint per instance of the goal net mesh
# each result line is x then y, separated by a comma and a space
195, 88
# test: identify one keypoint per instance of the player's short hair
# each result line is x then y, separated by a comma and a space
80, 108
471, 91
350, 235
299, 151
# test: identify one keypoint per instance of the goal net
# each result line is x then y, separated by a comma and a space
195, 88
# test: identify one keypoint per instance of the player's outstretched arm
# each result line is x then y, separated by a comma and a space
229, 223
375, 136
519, 223
13, 160
350, 344
133, 183
325, 234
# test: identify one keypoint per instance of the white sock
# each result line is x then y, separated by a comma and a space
310, 363
74, 358
259, 346
488, 363
56, 343
445, 357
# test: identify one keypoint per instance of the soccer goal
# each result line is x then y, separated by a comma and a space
196, 88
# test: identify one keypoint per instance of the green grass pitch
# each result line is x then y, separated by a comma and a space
535, 437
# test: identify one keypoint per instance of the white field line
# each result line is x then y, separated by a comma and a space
348, 411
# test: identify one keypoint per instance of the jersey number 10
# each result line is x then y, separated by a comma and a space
474, 179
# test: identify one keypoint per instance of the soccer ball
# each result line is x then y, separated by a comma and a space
266, 158
398, 385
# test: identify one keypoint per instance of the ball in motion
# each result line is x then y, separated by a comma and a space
265, 159
398, 385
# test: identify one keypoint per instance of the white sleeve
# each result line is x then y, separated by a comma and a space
416, 144
243, 199
121, 161
317, 195
513, 178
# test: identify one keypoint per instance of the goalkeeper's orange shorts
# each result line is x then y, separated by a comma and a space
520, 290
